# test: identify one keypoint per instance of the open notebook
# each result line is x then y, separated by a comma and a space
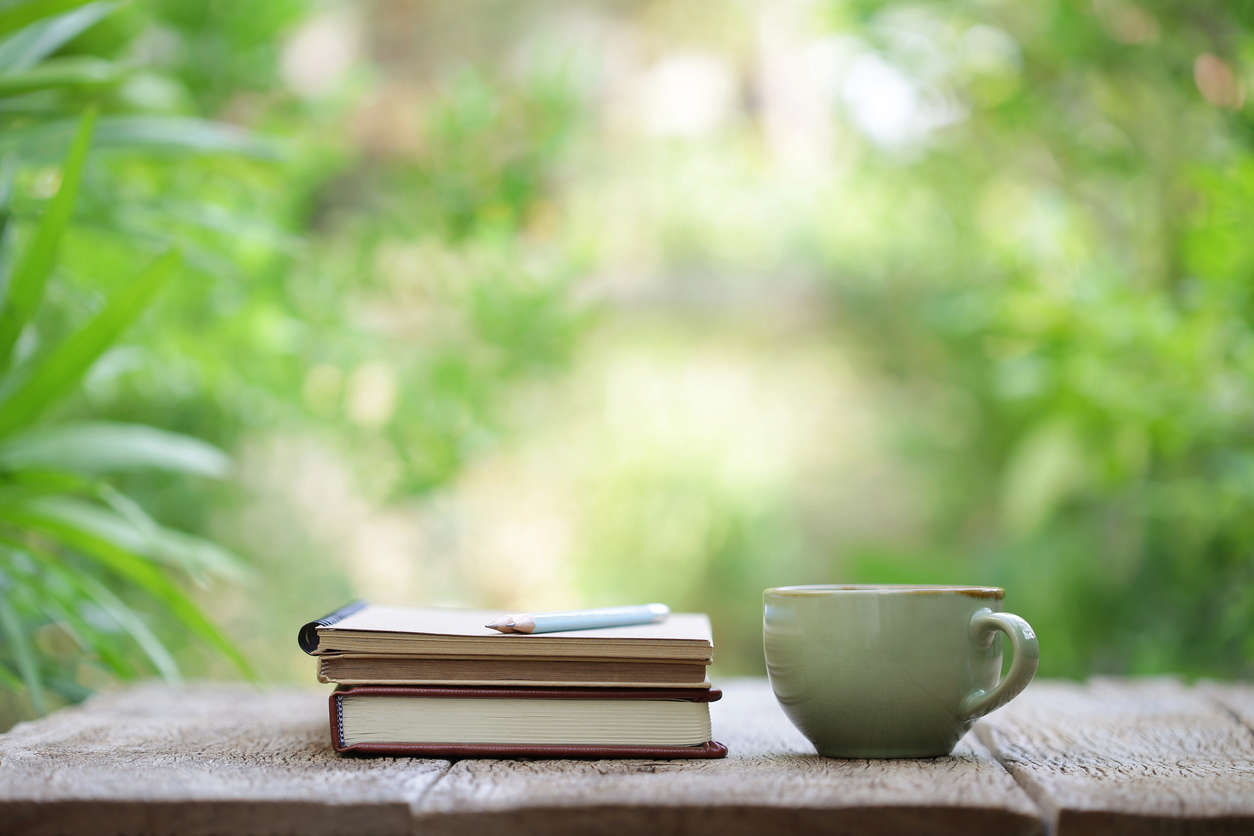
362, 628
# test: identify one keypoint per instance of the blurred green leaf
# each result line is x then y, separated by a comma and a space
17, 14
54, 592
90, 638
8, 680
16, 638
138, 535
36, 482
30, 107
30, 274
25, 48
74, 73
102, 447
90, 590
183, 134
8, 169
179, 134
126, 564
194, 554
74, 536
134, 626
65, 365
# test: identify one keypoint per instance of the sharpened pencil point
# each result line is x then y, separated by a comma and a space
504, 625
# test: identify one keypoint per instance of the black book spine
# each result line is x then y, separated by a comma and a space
307, 638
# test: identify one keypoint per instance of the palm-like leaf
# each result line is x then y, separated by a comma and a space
174, 134
19, 14
51, 378
140, 536
104, 447
62, 74
134, 626
70, 532
23, 654
30, 276
40, 39
78, 591
67, 538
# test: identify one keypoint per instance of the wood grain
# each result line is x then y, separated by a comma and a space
203, 759
1107, 757
1236, 699
772, 782
1149, 756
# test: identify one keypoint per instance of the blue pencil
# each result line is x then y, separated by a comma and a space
553, 622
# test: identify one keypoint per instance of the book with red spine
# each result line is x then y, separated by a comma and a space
451, 722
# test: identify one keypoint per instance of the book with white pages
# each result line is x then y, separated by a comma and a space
435, 632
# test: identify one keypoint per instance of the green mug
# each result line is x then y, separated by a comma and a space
891, 671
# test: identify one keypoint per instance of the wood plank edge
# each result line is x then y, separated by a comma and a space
729, 820
1216, 694
986, 734
1123, 823
203, 816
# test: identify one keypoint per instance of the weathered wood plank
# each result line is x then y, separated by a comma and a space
1105, 757
203, 759
1237, 699
772, 782
1128, 757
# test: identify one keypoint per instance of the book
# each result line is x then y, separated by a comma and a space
373, 669
524, 722
438, 632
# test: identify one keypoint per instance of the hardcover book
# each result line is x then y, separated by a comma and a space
373, 669
524, 722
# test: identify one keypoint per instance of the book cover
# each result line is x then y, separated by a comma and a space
433, 631
548, 749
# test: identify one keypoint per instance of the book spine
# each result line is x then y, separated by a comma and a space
337, 722
307, 638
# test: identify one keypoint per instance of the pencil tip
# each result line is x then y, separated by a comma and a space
504, 625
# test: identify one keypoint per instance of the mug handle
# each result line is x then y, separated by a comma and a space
984, 624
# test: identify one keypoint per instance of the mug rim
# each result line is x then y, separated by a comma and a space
831, 590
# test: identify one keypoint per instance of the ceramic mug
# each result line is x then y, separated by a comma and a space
891, 671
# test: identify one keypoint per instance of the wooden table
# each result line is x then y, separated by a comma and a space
1110, 756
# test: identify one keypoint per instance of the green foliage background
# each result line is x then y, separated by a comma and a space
1089, 316
476, 326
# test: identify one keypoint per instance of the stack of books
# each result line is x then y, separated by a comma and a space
438, 683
